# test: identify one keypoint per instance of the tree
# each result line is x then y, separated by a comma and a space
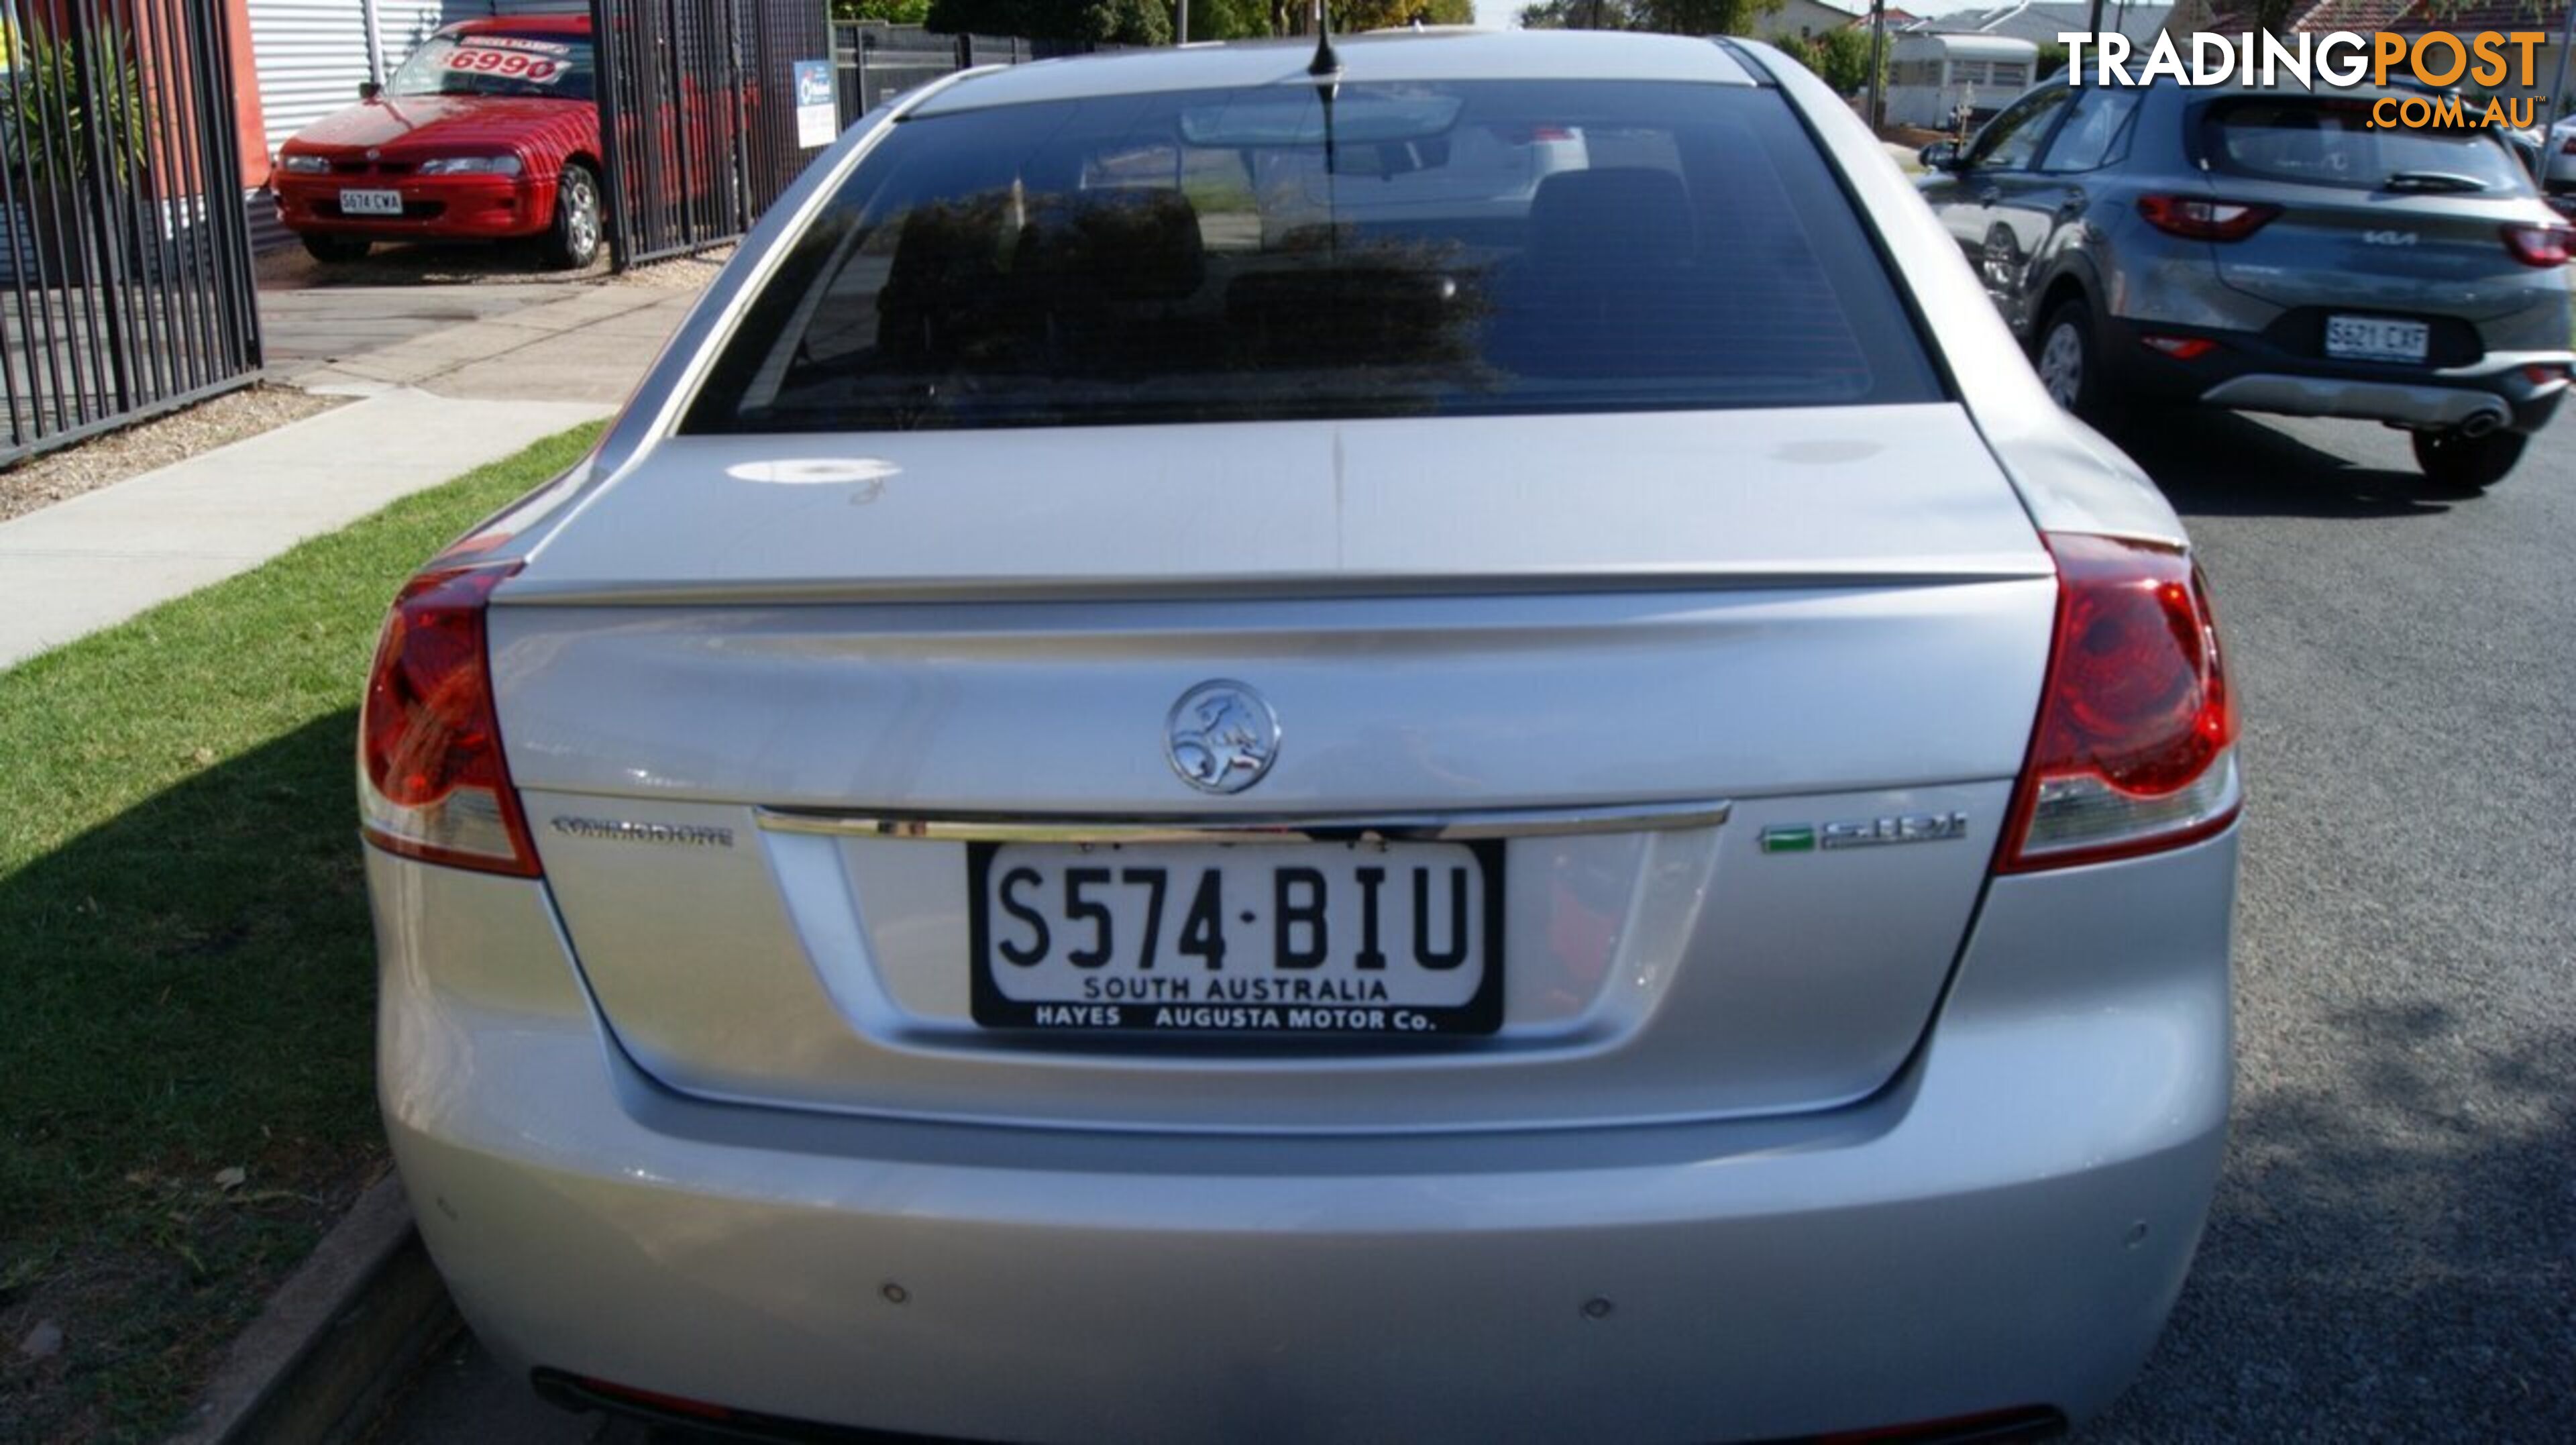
893, 12
1673, 17
1229, 19
1840, 58
1353, 15
1704, 17
1124, 22
1578, 15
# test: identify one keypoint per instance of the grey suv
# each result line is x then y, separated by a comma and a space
2270, 250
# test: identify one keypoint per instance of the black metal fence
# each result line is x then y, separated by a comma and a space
877, 62
698, 108
125, 268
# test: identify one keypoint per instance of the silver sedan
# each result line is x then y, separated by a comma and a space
1159, 790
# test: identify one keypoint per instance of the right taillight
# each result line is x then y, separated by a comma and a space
2135, 747
2201, 219
2539, 245
432, 783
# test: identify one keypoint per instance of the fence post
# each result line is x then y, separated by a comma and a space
608, 48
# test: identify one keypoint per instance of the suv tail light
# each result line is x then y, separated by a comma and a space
2135, 748
2539, 245
432, 783
2200, 219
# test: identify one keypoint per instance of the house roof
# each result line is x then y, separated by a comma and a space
2353, 14
2481, 15
2318, 16
2042, 21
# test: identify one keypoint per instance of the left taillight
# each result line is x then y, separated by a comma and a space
432, 782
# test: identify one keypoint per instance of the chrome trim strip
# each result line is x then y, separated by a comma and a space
1459, 827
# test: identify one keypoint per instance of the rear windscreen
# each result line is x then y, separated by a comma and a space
1395, 250
2332, 142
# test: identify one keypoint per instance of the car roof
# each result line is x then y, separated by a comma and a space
524, 25
1374, 57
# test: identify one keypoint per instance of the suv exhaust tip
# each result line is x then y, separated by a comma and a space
2481, 423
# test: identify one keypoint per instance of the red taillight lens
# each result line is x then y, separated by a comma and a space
2180, 348
2135, 748
2539, 245
432, 783
2200, 219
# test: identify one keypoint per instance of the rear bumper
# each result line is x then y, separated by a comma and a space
2246, 372
435, 208
2005, 1226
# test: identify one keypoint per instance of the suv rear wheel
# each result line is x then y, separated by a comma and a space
2455, 461
2067, 362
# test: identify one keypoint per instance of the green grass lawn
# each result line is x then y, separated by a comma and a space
186, 973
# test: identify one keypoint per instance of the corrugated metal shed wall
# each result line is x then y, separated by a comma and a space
310, 54
402, 24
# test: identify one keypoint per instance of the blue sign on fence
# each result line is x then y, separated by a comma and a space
818, 104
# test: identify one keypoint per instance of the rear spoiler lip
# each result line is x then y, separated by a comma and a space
526, 591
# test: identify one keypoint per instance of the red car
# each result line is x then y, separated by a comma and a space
490, 131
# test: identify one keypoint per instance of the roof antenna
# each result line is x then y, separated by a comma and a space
1325, 63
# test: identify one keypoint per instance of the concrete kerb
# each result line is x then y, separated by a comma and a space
342, 1331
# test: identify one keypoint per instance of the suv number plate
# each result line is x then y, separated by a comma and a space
2375, 338
1265, 938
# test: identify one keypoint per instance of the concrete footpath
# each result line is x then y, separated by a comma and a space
98, 559
582, 343
445, 384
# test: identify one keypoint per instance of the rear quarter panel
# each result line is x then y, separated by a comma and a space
2069, 477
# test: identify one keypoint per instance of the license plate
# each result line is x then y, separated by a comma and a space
371, 203
2372, 338
1389, 939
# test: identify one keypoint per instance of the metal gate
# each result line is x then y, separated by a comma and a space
125, 271
698, 110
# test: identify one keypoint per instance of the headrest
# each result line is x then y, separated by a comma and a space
951, 243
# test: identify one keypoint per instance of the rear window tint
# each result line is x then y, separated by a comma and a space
2330, 141
1458, 249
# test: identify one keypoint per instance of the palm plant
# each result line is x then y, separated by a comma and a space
70, 109
73, 122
